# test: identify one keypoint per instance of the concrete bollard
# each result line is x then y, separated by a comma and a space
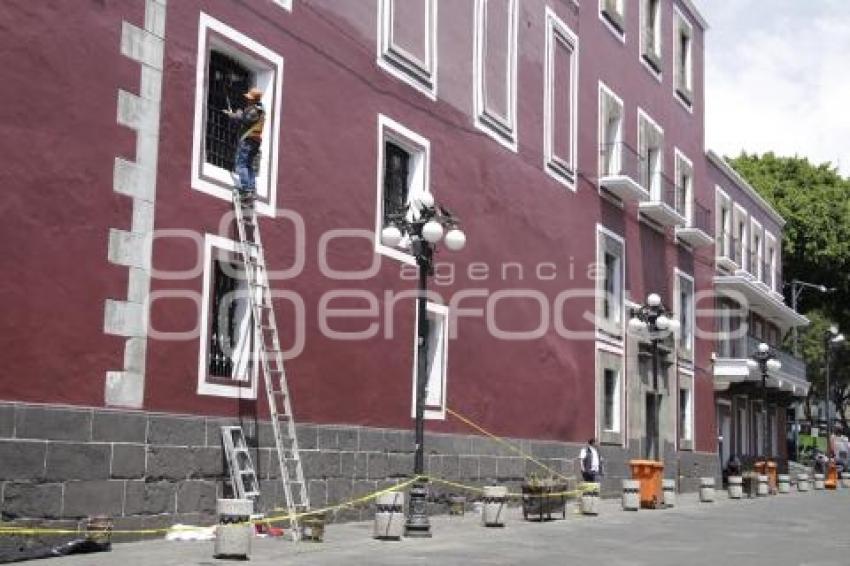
668, 488
736, 487
845, 479
495, 506
631, 495
763, 489
389, 516
706, 490
783, 483
803, 482
819, 481
234, 531
590, 499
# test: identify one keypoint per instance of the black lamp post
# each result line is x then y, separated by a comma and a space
797, 288
653, 319
831, 339
423, 229
764, 359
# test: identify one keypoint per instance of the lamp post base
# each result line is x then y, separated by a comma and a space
417, 524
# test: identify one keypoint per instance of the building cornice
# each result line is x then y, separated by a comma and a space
742, 184
694, 11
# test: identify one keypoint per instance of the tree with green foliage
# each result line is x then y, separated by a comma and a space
815, 202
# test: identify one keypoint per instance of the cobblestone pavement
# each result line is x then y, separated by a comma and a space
797, 529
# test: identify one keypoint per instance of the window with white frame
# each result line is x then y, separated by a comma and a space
437, 367
229, 64
495, 83
560, 97
650, 37
683, 59
610, 391
610, 282
756, 253
228, 348
613, 13
770, 266
407, 42
685, 310
402, 176
684, 187
651, 151
610, 132
723, 228
686, 411
740, 236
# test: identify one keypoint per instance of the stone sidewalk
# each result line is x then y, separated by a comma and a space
796, 529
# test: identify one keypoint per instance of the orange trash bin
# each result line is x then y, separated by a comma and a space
831, 476
770, 472
649, 473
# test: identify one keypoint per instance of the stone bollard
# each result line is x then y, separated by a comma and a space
706, 490
590, 499
234, 531
668, 488
631, 495
495, 506
763, 489
736, 487
803, 482
389, 516
783, 483
819, 482
845, 479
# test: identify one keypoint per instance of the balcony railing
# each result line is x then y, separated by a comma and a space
791, 364
620, 168
700, 218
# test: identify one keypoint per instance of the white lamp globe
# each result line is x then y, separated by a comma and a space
636, 324
426, 199
833, 329
432, 231
662, 322
838, 339
764, 348
653, 300
675, 326
391, 236
774, 365
752, 364
455, 239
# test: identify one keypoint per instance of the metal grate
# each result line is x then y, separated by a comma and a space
223, 334
396, 168
227, 81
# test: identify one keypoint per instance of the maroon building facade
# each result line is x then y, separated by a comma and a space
567, 139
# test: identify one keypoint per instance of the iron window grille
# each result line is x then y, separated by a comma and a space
396, 185
227, 81
224, 331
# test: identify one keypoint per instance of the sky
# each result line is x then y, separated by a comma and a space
778, 78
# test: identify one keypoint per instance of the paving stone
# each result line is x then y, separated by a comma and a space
119, 426
128, 461
468, 467
50, 423
308, 436
149, 498
176, 431
99, 497
339, 490
317, 490
349, 438
400, 465
21, 500
22, 460
328, 438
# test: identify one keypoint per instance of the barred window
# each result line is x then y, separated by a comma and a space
396, 187
228, 80
230, 336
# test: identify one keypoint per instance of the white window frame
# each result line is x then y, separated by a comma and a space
557, 31
610, 329
204, 387
756, 231
620, 11
658, 33
441, 312
680, 158
285, 4
771, 246
268, 65
503, 129
687, 437
686, 350
617, 159
682, 24
656, 184
419, 148
722, 201
395, 60
739, 216
605, 355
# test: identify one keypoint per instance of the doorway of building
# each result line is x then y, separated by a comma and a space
724, 433
651, 451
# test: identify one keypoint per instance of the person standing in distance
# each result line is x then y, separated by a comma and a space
589, 457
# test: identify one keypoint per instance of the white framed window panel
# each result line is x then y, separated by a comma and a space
610, 132
612, 13
438, 358
741, 233
756, 241
683, 60
610, 285
770, 246
560, 109
495, 65
684, 309
723, 222
651, 151
245, 359
650, 36
267, 65
686, 403
419, 169
407, 42
610, 394
685, 167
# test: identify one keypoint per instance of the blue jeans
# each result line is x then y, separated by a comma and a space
244, 168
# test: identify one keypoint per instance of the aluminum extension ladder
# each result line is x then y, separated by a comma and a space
271, 361
243, 476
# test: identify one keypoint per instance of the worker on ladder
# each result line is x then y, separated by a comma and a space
251, 120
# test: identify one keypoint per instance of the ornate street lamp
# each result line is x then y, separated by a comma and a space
832, 339
797, 288
421, 232
654, 321
764, 359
